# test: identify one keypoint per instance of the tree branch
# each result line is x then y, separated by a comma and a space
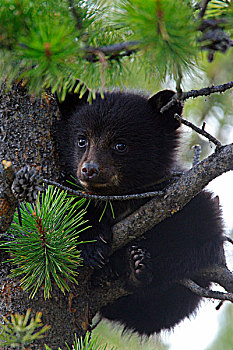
114, 51
113, 48
203, 8
217, 274
106, 198
177, 195
196, 93
76, 15
206, 293
198, 130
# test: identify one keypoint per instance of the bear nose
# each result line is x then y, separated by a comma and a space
89, 170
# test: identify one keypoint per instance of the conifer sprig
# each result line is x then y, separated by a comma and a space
21, 330
44, 248
86, 343
50, 44
167, 33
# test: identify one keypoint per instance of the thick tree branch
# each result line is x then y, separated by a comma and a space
176, 197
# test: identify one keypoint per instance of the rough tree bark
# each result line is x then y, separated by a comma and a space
27, 137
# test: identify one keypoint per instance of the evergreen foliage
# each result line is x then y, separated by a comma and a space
88, 343
52, 43
166, 31
21, 330
44, 247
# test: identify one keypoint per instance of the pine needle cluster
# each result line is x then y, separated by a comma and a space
166, 30
44, 248
86, 343
21, 330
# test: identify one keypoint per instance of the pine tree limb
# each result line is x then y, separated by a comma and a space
206, 293
199, 131
113, 48
219, 274
196, 93
113, 51
177, 196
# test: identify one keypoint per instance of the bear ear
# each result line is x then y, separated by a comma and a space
167, 120
72, 100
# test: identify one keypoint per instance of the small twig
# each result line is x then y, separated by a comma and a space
178, 85
76, 16
94, 325
103, 66
113, 48
104, 198
114, 51
198, 130
195, 93
207, 293
228, 239
203, 8
219, 305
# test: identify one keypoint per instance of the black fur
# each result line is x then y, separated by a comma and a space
122, 144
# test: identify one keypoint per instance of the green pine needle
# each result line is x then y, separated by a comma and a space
44, 248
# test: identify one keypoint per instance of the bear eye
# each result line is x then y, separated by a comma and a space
120, 147
82, 142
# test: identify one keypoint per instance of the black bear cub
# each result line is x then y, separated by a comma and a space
122, 144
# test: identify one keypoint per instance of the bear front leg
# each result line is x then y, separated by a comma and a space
97, 249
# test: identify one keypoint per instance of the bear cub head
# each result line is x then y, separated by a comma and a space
118, 144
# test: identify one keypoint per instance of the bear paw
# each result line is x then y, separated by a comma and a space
140, 266
95, 254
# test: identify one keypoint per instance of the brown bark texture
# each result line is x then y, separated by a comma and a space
26, 137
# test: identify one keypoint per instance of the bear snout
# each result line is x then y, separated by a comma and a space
89, 170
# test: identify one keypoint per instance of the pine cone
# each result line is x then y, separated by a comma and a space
26, 184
